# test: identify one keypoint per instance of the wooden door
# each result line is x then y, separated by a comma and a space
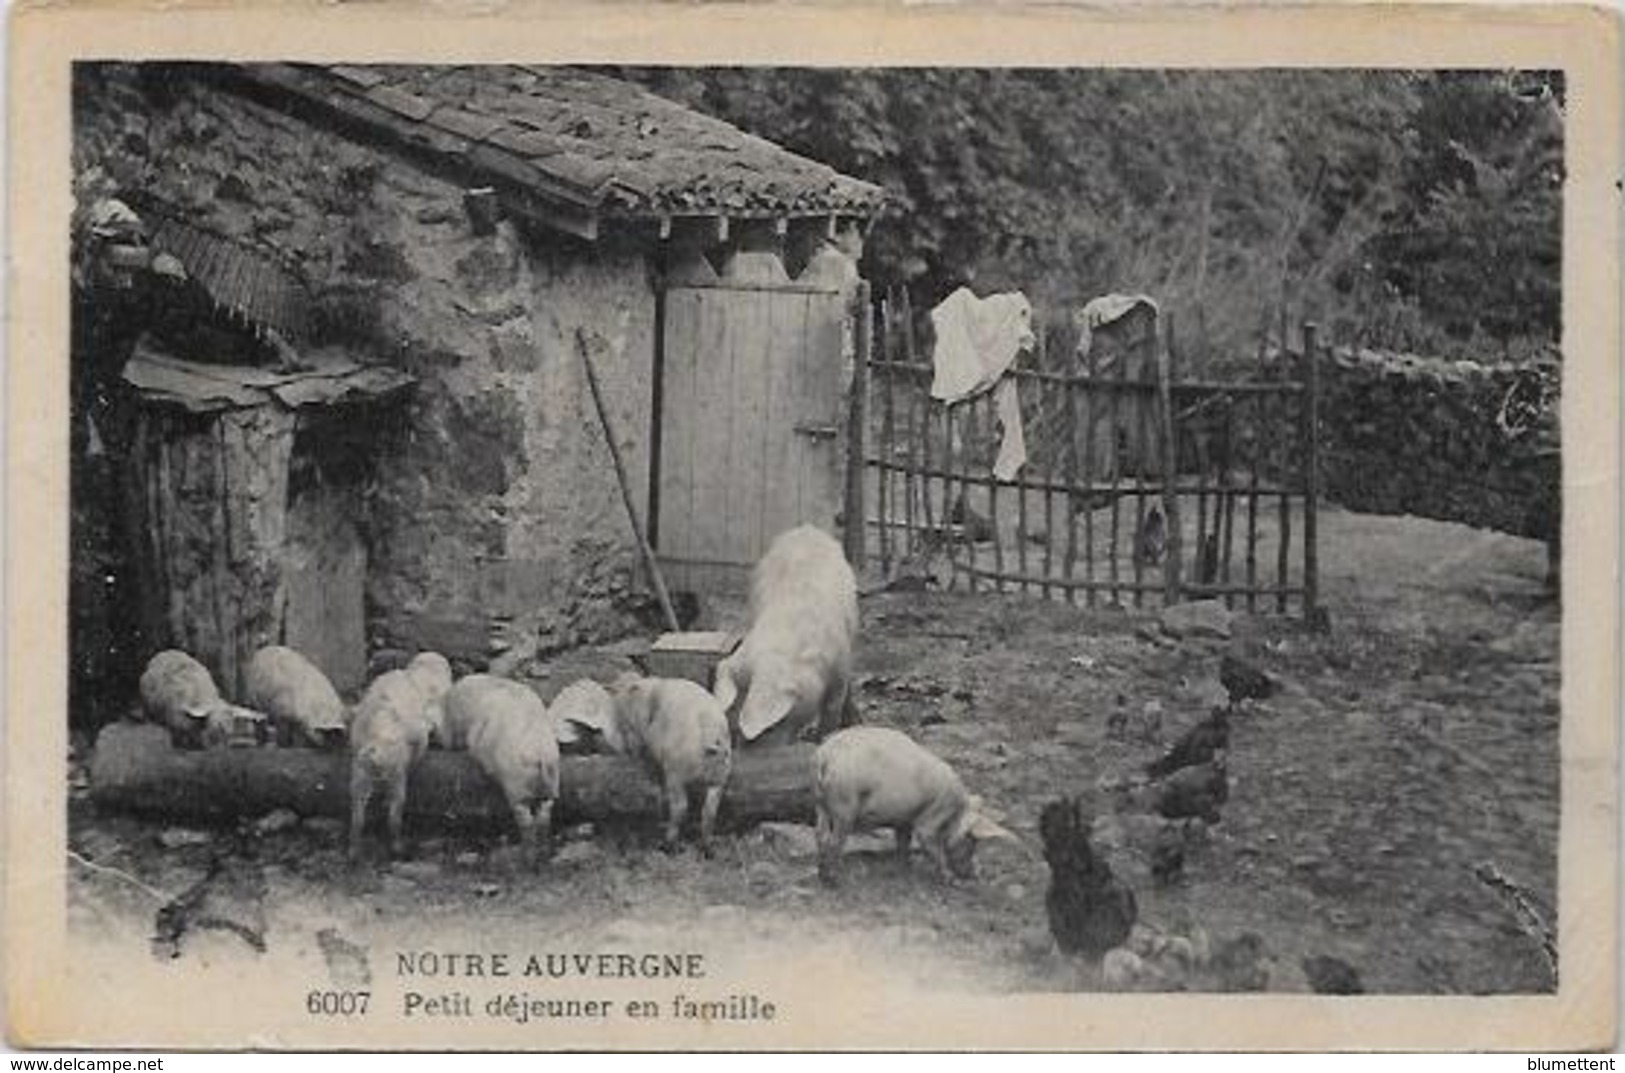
325, 567
750, 425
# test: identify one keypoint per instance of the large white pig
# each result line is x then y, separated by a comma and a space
793, 667
507, 730
868, 777
680, 731
401, 712
179, 692
304, 707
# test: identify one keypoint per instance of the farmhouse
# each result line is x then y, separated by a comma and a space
362, 417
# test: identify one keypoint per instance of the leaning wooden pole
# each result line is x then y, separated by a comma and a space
1311, 484
135, 769
655, 576
1172, 588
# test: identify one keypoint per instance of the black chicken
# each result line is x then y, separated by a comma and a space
1153, 540
1196, 746
1168, 856
1243, 681
978, 529
1332, 976
1195, 792
1090, 911
1241, 964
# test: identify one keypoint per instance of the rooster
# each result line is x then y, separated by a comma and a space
1090, 911
1197, 746
1243, 681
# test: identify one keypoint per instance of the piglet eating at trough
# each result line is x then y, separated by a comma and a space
868, 777
394, 723
303, 706
680, 731
179, 692
583, 713
794, 666
507, 730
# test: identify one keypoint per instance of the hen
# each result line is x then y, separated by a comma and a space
1328, 975
1197, 746
1243, 681
1195, 792
1090, 911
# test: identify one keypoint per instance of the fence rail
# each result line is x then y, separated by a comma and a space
1139, 483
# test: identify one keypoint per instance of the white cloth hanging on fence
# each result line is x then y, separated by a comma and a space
977, 340
1013, 447
1107, 309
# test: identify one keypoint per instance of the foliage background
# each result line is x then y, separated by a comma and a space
1413, 210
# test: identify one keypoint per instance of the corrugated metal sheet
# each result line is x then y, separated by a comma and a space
244, 285
200, 387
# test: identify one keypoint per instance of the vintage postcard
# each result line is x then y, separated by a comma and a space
813, 527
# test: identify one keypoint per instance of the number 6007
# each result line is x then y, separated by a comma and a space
337, 1003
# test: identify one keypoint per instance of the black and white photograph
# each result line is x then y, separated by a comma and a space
561, 548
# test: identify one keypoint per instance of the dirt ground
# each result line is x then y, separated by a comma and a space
1413, 745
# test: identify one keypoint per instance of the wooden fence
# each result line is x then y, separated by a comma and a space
1115, 504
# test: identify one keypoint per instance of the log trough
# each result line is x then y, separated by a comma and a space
136, 769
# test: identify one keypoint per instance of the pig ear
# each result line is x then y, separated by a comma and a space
758, 717
983, 830
726, 691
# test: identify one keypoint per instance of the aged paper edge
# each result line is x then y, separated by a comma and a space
41, 1008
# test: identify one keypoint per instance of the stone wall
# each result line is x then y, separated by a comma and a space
1409, 435
496, 514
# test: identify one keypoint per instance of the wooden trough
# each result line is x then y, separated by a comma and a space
135, 769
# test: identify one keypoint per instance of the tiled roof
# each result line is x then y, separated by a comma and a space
595, 145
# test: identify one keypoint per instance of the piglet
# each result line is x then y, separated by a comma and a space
868, 777
178, 692
583, 713
394, 723
507, 730
680, 731
794, 665
303, 706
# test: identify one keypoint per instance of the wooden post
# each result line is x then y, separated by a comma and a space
885, 493
855, 531
1311, 490
1170, 471
655, 576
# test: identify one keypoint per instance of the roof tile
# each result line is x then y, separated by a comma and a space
581, 137
399, 100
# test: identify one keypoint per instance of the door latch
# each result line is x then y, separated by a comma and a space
818, 432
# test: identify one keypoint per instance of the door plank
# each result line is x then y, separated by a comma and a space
712, 425
677, 422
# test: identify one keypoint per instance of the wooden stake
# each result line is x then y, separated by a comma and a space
655, 576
